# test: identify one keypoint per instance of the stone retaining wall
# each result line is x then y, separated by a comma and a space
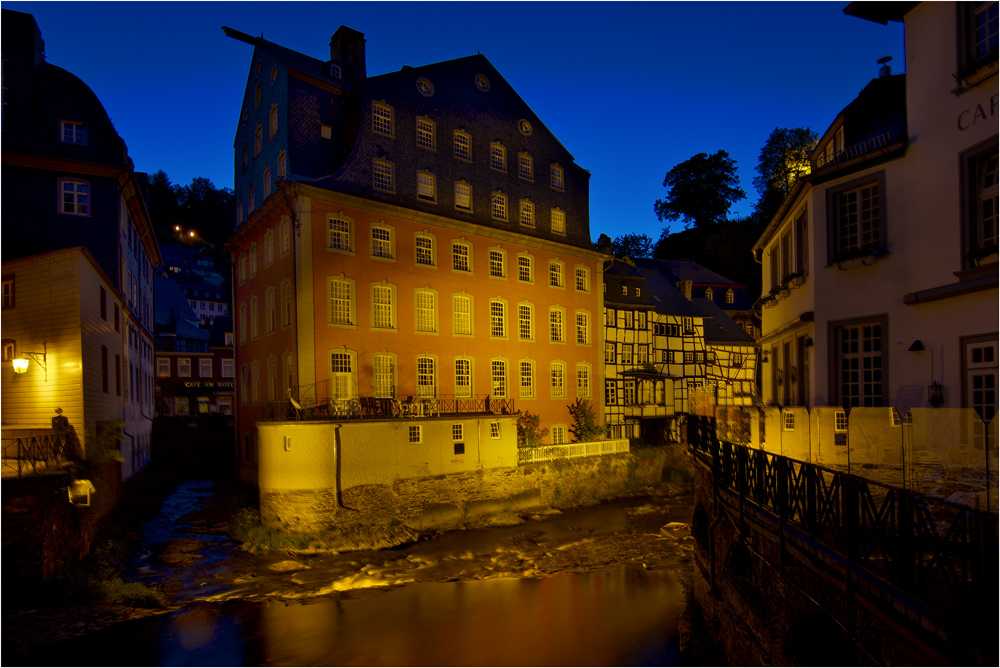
449, 500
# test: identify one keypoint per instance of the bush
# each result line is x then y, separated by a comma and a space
585, 427
528, 433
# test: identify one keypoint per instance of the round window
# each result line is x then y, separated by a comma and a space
524, 126
482, 83
425, 87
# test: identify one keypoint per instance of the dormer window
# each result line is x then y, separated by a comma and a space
73, 132
336, 71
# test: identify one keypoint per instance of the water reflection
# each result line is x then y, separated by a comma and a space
623, 616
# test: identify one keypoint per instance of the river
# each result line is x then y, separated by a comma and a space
458, 599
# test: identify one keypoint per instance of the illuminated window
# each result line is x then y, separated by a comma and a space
282, 164
383, 376
461, 312
286, 302
582, 279
583, 380
258, 140
273, 120
426, 311
494, 430
184, 367
382, 176
555, 274
339, 234
463, 145
74, 197
463, 378
498, 377
557, 333
582, 328
557, 376
527, 213
72, 132
730, 296
342, 375
558, 222
163, 367
425, 133
254, 318
610, 352
526, 379
498, 319
525, 322
498, 157
789, 421
382, 242
463, 196
426, 187
461, 256
382, 307
424, 245
426, 377
340, 302
269, 310
610, 393
382, 119
524, 269
709, 293
558, 434
252, 257
498, 263
498, 202
269, 248
524, 166
556, 177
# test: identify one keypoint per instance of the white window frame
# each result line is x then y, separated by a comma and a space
424, 249
384, 306
461, 261
382, 119
526, 215
498, 318
583, 378
463, 193
525, 167
498, 206
557, 380
463, 377
582, 278
556, 177
342, 301
526, 378
460, 317
425, 302
462, 145
79, 192
499, 378
426, 186
558, 221
426, 133
383, 175
557, 324
525, 325
582, 328
498, 263
340, 234
76, 131
557, 274
183, 367
498, 157
383, 241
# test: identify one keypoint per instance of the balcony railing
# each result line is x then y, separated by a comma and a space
547, 453
853, 151
367, 407
33, 451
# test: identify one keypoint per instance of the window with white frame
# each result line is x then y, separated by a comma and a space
555, 274
228, 366
273, 121
556, 177
461, 315
526, 379
8, 292
163, 367
426, 376
641, 353
243, 323
463, 145
270, 311
382, 238
426, 187
72, 132
382, 176
610, 319
74, 197
425, 133
730, 296
498, 206
463, 378
242, 269
557, 380
610, 352
558, 434
498, 319
981, 218
789, 421
582, 328
463, 196
382, 307
525, 322
527, 217
494, 430
524, 269
341, 306
498, 378
286, 302
184, 367
339, 234
498, 262
282, 164
383, 376
426, 311
858, 218
610, 393
424, 250
205, 367
252, 261
342, 374
415, 433
461, 256
558, 222
583, 380
860, 366
557, 332
382, 119
258, 142
628, 392
626, 353
582, 279
524, 166
498, 157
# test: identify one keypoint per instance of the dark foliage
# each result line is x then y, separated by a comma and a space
702, 189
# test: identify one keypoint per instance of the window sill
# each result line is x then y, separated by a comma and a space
846, 263
341, 251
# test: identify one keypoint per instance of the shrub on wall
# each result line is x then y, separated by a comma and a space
528, 433
585, 427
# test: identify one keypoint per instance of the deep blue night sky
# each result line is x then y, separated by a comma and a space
631, 89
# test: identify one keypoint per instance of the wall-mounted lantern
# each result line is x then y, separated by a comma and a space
20, 362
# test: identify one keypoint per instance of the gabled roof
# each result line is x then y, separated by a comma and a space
667, 299
719, 327
172, 308
689, 270
293, 60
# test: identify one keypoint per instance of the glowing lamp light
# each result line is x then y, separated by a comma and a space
20, 364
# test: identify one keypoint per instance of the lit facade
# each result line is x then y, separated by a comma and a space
418, 234
68, 183
880, 268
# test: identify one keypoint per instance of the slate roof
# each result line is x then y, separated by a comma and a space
667, 299
689, 270
167, 298
719, 327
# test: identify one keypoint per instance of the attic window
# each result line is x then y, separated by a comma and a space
336, 71
425, 87
482, 83
274, 74
325, 131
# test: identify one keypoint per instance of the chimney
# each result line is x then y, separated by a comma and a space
885, 70
347, 47
685, 288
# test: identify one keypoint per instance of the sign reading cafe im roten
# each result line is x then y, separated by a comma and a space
207, 384
970, 117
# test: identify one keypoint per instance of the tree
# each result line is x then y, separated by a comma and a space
585, 427
702, 190
199, 206
632, 245
528, 433
783, 159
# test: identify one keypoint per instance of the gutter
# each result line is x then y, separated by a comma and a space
951, 290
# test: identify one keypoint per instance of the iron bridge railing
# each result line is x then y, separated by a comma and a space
941, 553
406, 406
30, 452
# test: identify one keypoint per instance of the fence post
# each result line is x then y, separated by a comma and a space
781, 504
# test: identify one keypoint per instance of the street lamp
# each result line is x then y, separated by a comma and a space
20, 362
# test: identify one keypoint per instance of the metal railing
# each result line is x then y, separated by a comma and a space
866, 146
547, 453
30, 452
941, 553
404, 406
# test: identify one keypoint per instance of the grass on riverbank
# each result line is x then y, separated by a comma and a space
256, 538
98, 578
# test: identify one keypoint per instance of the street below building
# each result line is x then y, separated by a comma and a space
602, 585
